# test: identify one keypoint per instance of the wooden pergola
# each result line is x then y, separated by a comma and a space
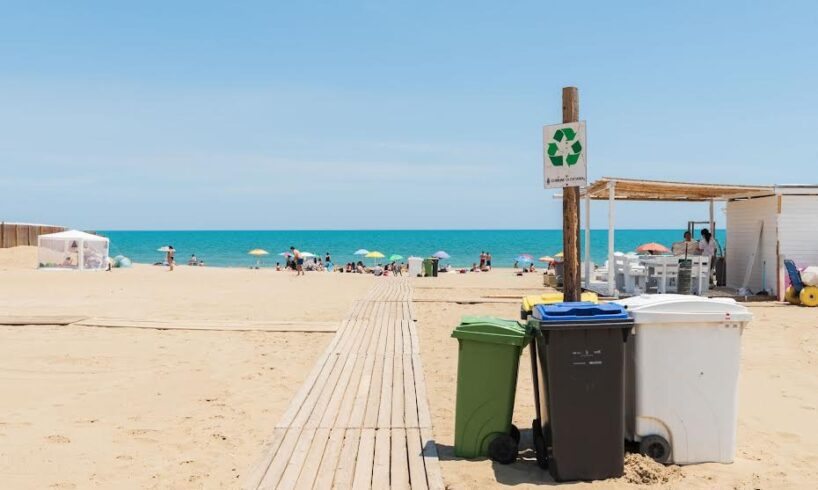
615, 188
659, 190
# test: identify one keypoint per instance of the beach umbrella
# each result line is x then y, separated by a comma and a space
559, 255
395, 257
652, 247
361, 251
440, 254
546, 259
307, 255
374, 255
524, 258
285, 254
163, 249
258, 253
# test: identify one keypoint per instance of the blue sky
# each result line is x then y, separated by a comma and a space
281, 115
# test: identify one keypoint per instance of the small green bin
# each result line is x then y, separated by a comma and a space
488, 360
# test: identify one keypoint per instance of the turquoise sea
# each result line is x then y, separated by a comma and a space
229, 248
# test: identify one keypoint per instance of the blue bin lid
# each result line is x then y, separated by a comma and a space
579, 311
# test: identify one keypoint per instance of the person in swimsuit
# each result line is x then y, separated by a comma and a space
299, 261
170, 256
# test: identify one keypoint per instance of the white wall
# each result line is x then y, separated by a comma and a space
798, 229
742, 230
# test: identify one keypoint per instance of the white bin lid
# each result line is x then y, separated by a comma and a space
680, 308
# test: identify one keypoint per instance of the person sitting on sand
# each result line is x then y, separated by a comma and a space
193, 260
474, 267
531, 268
278, 267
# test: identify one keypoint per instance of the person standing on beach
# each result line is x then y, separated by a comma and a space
170, 257
488, 260
482, 259
299, 261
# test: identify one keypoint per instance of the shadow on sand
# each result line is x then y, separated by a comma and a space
524, 470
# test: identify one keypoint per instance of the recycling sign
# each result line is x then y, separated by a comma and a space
564, 152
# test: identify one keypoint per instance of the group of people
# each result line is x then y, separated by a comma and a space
296, 262
392, 268
706, 246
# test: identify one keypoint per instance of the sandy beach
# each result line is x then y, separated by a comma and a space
175, 408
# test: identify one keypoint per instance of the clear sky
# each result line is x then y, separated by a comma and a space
381, 114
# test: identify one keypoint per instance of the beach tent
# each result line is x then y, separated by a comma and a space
72, 250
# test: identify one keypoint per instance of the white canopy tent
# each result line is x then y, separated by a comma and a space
72, 250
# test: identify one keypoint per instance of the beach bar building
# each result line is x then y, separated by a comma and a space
765, 225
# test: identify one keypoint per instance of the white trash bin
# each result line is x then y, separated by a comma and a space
415, 266
682, 377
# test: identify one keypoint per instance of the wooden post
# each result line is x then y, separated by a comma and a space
587, 239
570, 211
611, 226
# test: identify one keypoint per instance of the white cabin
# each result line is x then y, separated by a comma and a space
789, 214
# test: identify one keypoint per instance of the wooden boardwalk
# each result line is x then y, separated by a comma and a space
361, 419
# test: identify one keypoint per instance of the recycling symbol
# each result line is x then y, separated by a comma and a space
564, 148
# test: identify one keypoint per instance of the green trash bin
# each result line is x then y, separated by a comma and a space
488, 359
428, 268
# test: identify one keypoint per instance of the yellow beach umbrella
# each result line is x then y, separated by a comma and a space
374, 255
559, 255
258, 253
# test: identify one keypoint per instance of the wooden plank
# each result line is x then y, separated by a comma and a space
329, 461
376, 379
431, 462
345, 469
385, 410
253, 478
417, 468
397, 378
410, 416
312, 462
424, 417
363, 466
399, 467
21, 320
383, 453
22, 235
33, 233
281, 459
207, 326
297, 460
413, 336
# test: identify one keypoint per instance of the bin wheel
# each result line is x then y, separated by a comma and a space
515, 433
809, 296
791, 296
540, 449
656, 448
503, 449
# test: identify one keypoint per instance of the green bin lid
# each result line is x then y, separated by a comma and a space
492, 330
